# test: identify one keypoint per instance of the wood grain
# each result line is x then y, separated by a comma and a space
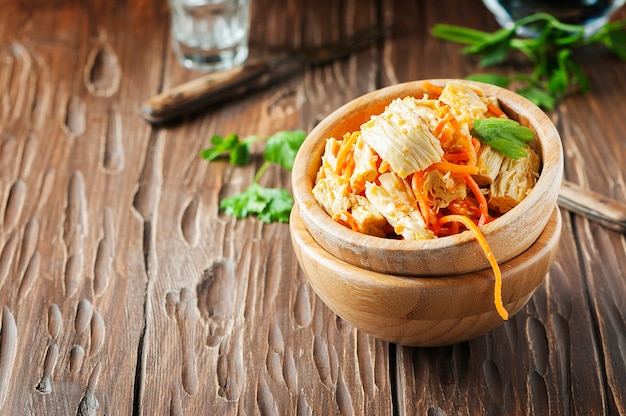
124, 290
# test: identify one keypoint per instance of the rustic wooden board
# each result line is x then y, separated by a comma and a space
228, 309
73, 274
533, 363
124, 290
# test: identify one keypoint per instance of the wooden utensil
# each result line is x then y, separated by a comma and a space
593, 206
217, 86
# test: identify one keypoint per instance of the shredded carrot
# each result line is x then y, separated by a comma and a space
454, 123
497, 291
426, 210
439, 129
349, 166
445, 137
476, 144
347, 148
495, 110
467, 145
432, 89
455, 157
454, 168
347, 219
480, 197
384, 167
471, 151
442, 123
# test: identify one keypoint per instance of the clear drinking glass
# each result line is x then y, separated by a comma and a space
592, 14
210, 35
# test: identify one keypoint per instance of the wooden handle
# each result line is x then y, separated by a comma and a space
202, 91
594, 206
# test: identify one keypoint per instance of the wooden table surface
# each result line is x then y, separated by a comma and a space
125, 291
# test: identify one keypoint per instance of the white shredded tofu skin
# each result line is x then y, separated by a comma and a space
369, 219
333, 192
516, 179
393, 201
443, 189
329, 159
402, 137
466, 103
489, 161
365, 166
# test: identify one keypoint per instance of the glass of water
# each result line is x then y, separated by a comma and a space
592, 14
210, 35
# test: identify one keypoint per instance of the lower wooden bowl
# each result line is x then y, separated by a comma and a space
423, 311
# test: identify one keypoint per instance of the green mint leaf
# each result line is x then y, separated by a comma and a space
494, 79
281, 148
268, 204
505, 135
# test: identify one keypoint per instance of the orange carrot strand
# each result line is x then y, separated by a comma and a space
454, 168
434, 91
495, 110
346, 149
480, 197
497, 291
428, 214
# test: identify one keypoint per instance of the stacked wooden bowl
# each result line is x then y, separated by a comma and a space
427, 292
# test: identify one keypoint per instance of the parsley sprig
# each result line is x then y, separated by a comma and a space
268, 204
555, 71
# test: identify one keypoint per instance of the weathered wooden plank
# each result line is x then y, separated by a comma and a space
532, 363
232, 325
124, 290
594, 146
72, 265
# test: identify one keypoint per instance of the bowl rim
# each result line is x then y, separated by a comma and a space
514, 105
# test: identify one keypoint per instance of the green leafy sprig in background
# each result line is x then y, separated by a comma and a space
549, 50
268, 204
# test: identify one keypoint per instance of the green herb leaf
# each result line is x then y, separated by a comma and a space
459, 34
549, 50
238, 151
505, 135
268, 204
559, 79
494, 79
281, 148
616, 42
613, 36
538, 96
494, 49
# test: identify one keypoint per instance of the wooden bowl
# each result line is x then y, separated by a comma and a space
423, 311
508, 236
